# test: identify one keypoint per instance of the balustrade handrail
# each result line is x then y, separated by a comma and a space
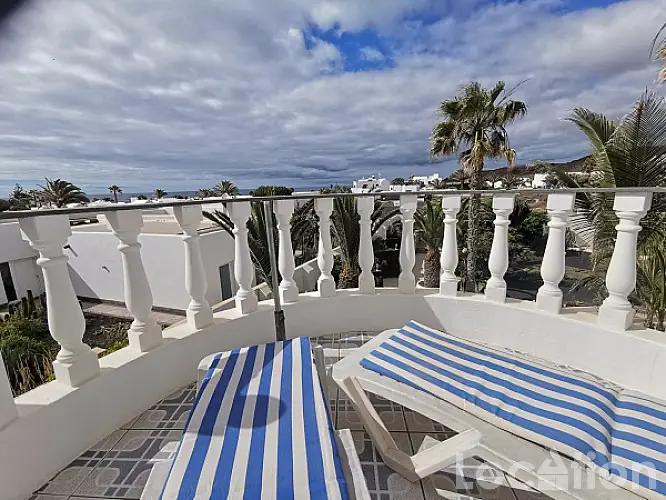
114, 207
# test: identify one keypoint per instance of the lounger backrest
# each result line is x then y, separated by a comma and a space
259, 429
617, 432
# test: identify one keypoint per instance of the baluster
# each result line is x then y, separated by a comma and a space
498, 261
76, 363
199, 312
406, 280
144, 333
325, 283
8, 411
284, 209
246, 300
448, 282
549, 297
616, 312
366, 256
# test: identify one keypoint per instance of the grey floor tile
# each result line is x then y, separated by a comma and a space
419, 423
72, 476
124, 471
390, 413
48, 497
384, 483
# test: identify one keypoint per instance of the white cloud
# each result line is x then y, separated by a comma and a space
371, 54
182, 94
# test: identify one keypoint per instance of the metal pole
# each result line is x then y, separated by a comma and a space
280, 332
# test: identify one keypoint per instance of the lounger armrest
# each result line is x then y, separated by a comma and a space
351, 465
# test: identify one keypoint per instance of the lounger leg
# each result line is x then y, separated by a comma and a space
351, 465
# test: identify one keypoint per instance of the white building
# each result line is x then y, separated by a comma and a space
369, 184
426, 179
18, 268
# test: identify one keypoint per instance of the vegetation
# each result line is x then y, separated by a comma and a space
438, 184
205, 193
474, 123
4, 205
160, 193
429, 228
628, 153
19, 199
272, 191
398, 181
115, 190
659, 51
61, 193
225, 188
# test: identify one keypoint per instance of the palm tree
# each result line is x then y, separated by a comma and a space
115, 190
475, 124
205, 193
160, 193
429, 227
627, 153
398, 181
438, 184
226, 187
660, 52
61, 193
256, 237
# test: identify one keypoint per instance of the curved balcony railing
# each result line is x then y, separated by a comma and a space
158, 361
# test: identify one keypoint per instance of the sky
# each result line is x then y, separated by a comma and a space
179, 95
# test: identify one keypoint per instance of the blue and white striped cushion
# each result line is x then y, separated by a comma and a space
259, 429
589, 419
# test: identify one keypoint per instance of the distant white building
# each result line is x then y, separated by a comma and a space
369, 184
426, 179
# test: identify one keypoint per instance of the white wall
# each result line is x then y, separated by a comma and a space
13, 247
96, 266
27, 276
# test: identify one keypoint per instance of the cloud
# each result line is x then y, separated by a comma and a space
178, 95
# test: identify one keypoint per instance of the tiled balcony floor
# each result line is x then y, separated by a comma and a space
118, 467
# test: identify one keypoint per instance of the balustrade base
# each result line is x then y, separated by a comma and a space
496, 294
77, 373
200, 318
366, 287
549, 302
289, 295
449, 288
144, 338
615, 318
326, 288
247, 304
407, 285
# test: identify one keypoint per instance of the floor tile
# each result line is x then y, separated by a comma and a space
124, 471
383, 483
170, 413
390, 413
419, 423
48, 497
71, 477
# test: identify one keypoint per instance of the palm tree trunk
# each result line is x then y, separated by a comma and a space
115, 196
472, 230
431, 268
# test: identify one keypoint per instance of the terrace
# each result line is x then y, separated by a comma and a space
135, 401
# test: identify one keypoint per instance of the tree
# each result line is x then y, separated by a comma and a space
272, 191
398, 181
438, 184
60, 193
4, 205
496, 179
205, 193
141, 197
226, 187
160, 193
659, 52
429, 227
115, 190
459, 176
628, 153
19, 199
474, 122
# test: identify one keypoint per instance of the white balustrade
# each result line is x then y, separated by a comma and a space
366, 256
8, 411
325, 282
76, 363
498, 261
144, 333
448, 282
406, 280
199, 312
549, 297
617, 312
246, 300
288, 290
